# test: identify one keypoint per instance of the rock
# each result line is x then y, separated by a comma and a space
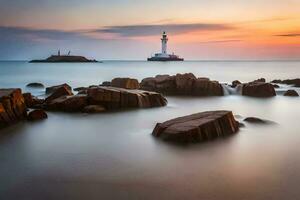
255, 120
294, 82
260, 80
106, 83
235, 83
37, 115
241, 125
291, 93
12, 106
115, 98
182, 84
127, 83
59, 92
197, 127
74, 103
276, 86
258, 89
31, 101
63, 58
78, 89
94, 109
52, 89
35, 85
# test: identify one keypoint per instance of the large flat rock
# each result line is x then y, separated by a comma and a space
114, 98
182, 84
197, 127
12, 106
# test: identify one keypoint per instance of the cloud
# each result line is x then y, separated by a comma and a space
221, 41
150, 30
289, 35
21, 33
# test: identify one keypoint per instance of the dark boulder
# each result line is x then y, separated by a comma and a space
127, 83
52, 89
106, 83
235, 83
276, 86
197, 127
258, 89
260, 80
35, 85
58, 92
32, 101
37, 115
291, 93
255, 120
12, 106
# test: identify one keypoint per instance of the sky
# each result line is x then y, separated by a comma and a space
131, 29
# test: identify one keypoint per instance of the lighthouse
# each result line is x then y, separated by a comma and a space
164, 41
164, 56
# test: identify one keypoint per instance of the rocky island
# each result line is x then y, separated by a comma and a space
63, 58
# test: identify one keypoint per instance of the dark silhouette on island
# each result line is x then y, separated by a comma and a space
63, 58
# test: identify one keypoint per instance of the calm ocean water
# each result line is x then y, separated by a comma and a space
114, 156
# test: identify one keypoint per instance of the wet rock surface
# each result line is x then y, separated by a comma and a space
295, 82
12, 106
197, 127
258, 89
52, 89
291, 93
36, 115
127, 83
182, 84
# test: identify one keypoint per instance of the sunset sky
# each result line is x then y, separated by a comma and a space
131, 29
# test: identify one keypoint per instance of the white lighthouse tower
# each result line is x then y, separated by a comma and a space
164, 56
164, 41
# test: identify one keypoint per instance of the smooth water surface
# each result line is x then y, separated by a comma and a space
114, 156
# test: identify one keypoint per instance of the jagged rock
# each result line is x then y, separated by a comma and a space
78, 89
258, 89
31, 101
182, 84
235, 83
291, 93
37, 115
12, 106
35, 85
114, 98
75, 103
295, 82
94, 109
127, 83
197, 127
58, 92
52, 89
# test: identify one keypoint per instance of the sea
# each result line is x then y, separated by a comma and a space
114, 156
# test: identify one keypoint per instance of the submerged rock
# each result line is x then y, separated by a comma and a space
94, 109
255, 120
35, 85
127, 83
258, 89
197, 127
291, 93
52, 89
182, 84
37, 115
12, 106
295, 82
